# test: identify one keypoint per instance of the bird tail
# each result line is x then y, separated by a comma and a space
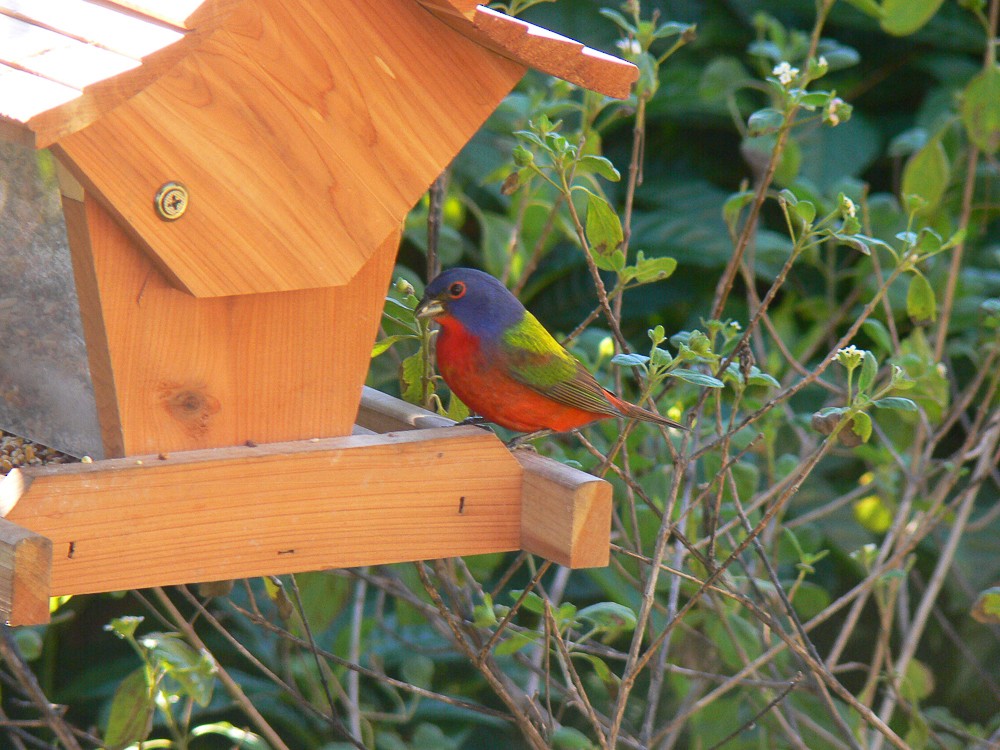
631, 411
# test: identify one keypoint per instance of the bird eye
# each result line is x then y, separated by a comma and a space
456, 290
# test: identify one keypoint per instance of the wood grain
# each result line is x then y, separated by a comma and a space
566, 513
272, 509
25, 575
173, 372
535, 47
305, 131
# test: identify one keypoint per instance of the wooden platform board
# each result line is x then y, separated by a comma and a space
248, 511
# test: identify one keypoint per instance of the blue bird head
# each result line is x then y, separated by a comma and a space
476, 300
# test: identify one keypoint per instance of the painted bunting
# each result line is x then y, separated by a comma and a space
504, 365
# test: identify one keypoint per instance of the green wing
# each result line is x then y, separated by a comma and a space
536, 359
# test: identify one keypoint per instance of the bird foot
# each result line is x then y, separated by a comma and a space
522, 441
476, 421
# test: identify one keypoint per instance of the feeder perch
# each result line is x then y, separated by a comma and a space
234, 175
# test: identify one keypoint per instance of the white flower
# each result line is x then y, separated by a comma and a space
835, 111
629, 47
847, 208
785, 72
822, 62
850, 356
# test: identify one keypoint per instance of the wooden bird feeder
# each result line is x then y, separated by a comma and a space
234, 178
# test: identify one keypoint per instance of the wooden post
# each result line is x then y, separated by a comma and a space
25, 574
175, 372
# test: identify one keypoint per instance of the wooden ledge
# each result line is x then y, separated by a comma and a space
241, 512
566, 513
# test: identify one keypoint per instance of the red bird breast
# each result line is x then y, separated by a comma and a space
473, 372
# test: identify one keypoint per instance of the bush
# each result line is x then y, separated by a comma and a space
786, 239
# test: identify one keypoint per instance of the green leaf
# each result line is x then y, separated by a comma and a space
895, 402
431, 737
29, 642
720, 77
619, 19
124, 627
609, 617
532, 602
456, 409
986, 608
981, 110
418, 669
527, 135
815, 99
873, 514
856, 241
838, 56
696, 378
647, 270
904, 17
878, 333
661, 357
484, 615
515, 642
194, 671
805, 211
131, 714
629, 360
568, 738
764, 121
604, 234
733, 206
928, 242
920, 303
757, 377
241, 738
649, 76
672, 28
383, 346
869, 369
412, 373
926, 174
279, 596
868, 7
522, 156
918, 681
861, 425
601, 669
598, 165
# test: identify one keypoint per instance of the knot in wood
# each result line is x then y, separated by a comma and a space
192, 406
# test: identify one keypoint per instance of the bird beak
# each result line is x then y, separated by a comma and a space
429, 308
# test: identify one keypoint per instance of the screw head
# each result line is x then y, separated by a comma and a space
171, 201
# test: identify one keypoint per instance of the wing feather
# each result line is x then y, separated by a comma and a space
537, 360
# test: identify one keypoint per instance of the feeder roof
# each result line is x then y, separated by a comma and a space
64, 63
302, 130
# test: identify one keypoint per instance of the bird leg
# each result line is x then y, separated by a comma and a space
476, 420
521, 441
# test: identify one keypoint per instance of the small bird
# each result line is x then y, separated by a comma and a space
504, 365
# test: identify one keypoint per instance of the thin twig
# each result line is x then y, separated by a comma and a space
231, 686
29, 683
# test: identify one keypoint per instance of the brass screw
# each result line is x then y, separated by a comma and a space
171, 201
